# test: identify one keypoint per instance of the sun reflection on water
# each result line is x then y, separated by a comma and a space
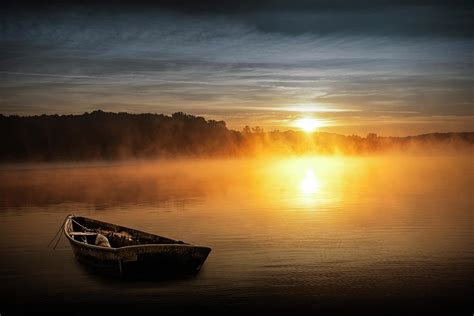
301, 182
310, 184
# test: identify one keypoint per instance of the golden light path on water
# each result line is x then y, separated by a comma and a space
302, 183
310, 183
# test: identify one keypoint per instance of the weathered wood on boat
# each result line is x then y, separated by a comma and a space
131, 250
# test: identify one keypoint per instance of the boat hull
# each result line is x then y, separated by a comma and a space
156, 259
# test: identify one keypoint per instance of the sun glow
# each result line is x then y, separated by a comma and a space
308, 124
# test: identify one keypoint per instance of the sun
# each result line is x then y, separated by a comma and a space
308, 124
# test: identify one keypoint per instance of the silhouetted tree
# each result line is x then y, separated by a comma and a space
103, 135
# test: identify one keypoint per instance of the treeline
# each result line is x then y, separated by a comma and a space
101, 135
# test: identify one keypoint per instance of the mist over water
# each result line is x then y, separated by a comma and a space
308, 232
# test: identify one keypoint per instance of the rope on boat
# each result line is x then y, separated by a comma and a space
83, 227
59, 234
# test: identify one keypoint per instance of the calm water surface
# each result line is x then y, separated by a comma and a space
286, 234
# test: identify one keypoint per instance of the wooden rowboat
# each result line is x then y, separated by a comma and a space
111, 247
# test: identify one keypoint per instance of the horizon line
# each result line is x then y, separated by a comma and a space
240, 131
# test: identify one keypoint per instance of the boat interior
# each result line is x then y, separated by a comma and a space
109, 235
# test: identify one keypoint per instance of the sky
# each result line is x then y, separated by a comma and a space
389, 67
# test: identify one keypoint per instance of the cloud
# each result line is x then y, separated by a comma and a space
207, 62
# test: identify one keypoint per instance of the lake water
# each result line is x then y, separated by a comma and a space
324, 233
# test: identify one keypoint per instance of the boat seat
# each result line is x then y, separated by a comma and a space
82, 234
100, 240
